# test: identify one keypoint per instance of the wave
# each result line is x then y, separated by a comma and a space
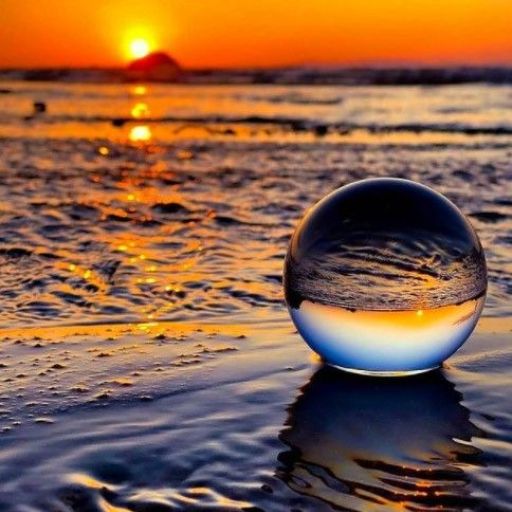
288, 123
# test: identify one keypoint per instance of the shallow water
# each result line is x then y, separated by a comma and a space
148, 362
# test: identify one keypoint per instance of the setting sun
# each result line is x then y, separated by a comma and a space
261, 33
139, 48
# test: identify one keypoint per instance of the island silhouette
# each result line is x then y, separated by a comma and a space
155, 67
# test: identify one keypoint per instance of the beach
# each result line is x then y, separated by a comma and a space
148, 359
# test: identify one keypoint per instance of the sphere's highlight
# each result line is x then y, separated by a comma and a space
385, 276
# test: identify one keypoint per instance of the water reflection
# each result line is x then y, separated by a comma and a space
140, 133
139, 90
363, 444
140, 110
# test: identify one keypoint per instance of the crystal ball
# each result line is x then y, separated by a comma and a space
385, 276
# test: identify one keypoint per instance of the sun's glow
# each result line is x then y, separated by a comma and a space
139, 48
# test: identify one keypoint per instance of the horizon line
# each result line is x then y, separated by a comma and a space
282, 67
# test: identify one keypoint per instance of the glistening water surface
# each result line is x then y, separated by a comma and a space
148, 361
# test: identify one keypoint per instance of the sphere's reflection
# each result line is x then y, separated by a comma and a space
365, 444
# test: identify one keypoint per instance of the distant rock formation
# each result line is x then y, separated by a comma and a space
154, 67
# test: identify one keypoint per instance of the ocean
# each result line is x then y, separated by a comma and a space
148, 360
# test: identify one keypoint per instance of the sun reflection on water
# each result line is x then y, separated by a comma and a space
140, 133
140, 110
139, 90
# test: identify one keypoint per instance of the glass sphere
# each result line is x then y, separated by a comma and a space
385, 276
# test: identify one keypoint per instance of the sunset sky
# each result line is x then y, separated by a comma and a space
245, 33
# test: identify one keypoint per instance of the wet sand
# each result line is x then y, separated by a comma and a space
148, 361
216, 417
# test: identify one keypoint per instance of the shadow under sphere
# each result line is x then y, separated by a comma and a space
361, 443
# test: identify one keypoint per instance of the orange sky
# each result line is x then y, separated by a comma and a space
239, 33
